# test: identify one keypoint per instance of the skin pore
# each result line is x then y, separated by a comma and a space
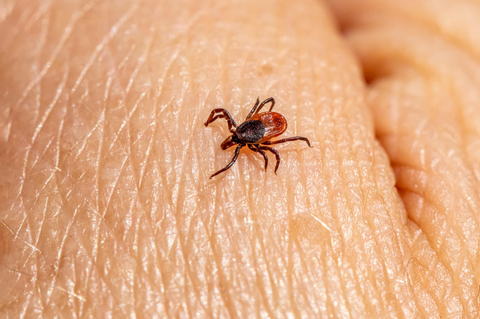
106, 206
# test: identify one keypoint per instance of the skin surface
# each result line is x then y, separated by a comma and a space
106, 206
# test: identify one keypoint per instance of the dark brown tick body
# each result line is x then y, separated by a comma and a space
256, 132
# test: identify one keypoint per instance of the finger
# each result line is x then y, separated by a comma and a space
424, 98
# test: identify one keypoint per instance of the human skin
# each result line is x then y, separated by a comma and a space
106, 206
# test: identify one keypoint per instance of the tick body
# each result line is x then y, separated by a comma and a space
256, 132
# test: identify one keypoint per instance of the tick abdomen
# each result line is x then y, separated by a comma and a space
250, 131
275, 124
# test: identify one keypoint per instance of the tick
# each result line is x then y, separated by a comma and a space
256, 132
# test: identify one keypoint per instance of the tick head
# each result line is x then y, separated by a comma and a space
229, 142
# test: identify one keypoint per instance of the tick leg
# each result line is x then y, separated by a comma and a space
274, 151
253, 148
253, 109
288, 139
224, 114
237, 151
218, 116
270, 99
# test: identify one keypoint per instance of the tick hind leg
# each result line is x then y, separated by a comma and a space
234, 159
256, 149
288, 139
274, 151
223, 114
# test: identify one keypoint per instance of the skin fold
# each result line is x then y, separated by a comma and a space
106, 206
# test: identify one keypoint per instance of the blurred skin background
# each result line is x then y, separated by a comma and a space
106, 206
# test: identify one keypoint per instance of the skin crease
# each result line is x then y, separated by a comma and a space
106, 206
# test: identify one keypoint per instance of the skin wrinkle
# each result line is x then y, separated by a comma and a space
191, 276
344, 203
141, 62
436, 262
179, 210
224, 291
289, 263
126, 123
32, 143
335, 229
58, 259
57, 156
16, 236
36, 132
391, 216
104, 43
39, 158
55, 53
257, 236
37, 89
96, 209
305, 269
356, 204
400, 163
147, 153
341, 183
403, 164
41, 225
137, 179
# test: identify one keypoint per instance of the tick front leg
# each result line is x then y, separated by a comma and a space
270, 99
274, 151
253, 148
288, 139
223, 114
237, 151
256, 110
253, 109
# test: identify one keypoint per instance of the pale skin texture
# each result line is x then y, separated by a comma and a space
106, 206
